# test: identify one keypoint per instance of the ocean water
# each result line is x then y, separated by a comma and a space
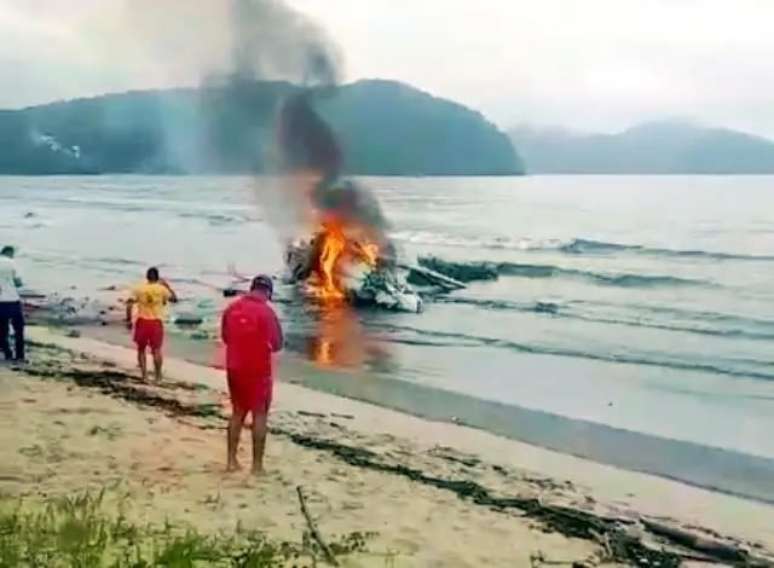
641, 303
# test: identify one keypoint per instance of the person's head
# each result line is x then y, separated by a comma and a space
8, 251
153, 274
262, 284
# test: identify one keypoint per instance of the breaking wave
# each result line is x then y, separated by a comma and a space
228, 215
707, 365
493, 243
576, 246
586, 246
216, 219
472, 271
622, 280
718, 325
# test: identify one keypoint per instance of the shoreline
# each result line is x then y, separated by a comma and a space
716, 469
478, 458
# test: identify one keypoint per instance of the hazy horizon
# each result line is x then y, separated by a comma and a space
560, 129
594, 66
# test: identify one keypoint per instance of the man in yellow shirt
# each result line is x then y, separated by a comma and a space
150, 300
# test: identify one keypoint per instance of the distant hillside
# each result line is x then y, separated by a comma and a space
651, 148
389, 128
386, 128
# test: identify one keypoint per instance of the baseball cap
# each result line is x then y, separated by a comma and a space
263, 281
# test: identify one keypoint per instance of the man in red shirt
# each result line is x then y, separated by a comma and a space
252, 334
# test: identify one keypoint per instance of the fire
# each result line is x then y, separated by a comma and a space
337, 253
332, 246
370, 253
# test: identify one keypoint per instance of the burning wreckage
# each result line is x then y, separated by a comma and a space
348, 257
344, 262
337, 264
341, 265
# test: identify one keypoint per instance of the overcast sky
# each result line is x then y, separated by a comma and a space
586, 64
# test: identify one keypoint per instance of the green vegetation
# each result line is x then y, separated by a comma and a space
75, 532
386, 128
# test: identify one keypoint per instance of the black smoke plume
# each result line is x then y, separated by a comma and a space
306, 142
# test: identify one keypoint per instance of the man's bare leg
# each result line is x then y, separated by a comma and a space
142, 362
158, 363
259, 440
235, 425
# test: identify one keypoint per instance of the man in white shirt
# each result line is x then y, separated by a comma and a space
10, 306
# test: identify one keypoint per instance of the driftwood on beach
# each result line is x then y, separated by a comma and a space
66, 310
313, 530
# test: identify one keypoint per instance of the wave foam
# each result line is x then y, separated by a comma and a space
706, 365
577, 246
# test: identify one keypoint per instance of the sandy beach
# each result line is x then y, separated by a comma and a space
508, 265
426, 493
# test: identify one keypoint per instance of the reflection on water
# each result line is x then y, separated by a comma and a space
339, 340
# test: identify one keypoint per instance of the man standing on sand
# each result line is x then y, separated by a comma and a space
252, 334
11, 311
151, 299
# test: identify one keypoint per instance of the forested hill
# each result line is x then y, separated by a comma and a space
385, 127
665, 147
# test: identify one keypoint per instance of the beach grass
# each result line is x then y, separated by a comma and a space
78, 532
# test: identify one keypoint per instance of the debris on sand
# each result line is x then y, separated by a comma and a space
63, 310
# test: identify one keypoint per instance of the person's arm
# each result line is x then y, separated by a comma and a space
130, 302
172, 294
277, 339
129, 305
17, 281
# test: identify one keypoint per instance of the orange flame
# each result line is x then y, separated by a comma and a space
370, 253
332, 246
339, 249
336, 252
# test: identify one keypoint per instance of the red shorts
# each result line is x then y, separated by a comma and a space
149, 333
248, 391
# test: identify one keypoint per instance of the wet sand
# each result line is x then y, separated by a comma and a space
725, 470
433, 493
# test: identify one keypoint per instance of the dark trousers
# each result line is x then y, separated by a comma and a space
11, 313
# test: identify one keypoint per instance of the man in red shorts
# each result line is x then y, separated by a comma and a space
150, 299
252, 334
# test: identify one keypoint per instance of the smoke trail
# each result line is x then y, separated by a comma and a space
271, 41
305, 139
262, 69
309, 146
